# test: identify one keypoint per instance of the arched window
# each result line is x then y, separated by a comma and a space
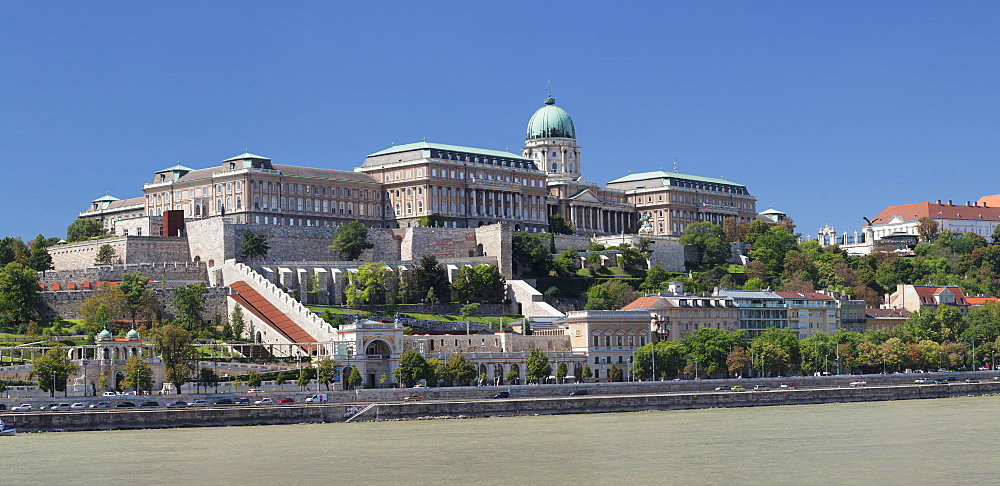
239, 202
218, 205
229, 203
554, 167
229, 187
571, 168
397, 209
409, 208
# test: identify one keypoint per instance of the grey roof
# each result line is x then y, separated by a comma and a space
751, 294
245, 155
659, 174
450, 148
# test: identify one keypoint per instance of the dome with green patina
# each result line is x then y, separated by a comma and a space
550, 121
105, 335
133, 335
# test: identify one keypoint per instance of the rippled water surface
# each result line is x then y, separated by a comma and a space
946, 441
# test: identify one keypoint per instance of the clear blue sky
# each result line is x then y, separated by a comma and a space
829, 111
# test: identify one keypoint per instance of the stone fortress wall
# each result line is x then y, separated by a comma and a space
128, 249
66, 303
175, 274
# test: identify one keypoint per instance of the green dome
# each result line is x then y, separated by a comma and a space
133, 335
105, 335
550, 121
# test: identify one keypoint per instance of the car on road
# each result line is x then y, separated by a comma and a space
723, 388
971, 380
100, 405
578, 393
198, 403
941, 382
420, 385
286, 400
413, 397
125, 405
788, 385
224, 401
256, 390
760, 388
61, 406
502, 394
859, 383
241, 401
149, 403
923, 381
178, 403
24, 407
737, 388
109, 394
264, 401
78, 405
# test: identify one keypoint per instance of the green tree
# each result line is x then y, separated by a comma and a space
558, 225
754, 230
710, 348
710, 241
327, 371
587, 372
513, 377
411, 369
630, 259
437, 372
431, 298
469, 310
52, 369
561, 371
106, 255
102, 383
19, 297
254, 245
775, 351
530, 254
771, 247
207, 378
565, 262
13, 250
354, 380
481, 283
281, 379
138, 375
173, 345
303, 380
190, 303
656, 279
253, 379
595, 265
611, 295
537, 366
614, 374
136, 298
429, 274
40, 260
83, 229
460, 369
350, 240
368, 285
434, 220
237, 321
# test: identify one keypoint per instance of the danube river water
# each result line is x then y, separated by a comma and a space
943, 441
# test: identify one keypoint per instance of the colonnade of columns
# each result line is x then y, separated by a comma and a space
504, 204
599, 220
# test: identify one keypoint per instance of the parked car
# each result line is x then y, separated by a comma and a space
578, 393
61, 406
723, 388
788, 385
224, 401
100, 405
413, 397
255, 390
178, 403
149, 403
109, 394
22, 407
125, 405
760, 388
502, 394
198, 403
923, 381
420, 385
264, 401
78, 405
859, 383
737, 388
286, 400
941, 382
971, 380
241, 401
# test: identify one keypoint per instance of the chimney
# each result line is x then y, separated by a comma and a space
950, 203
968, 203
939, 202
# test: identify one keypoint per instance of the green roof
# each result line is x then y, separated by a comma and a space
106, 198
245, 155
659, 174
772, 211
550, 121
175, 168
449, 148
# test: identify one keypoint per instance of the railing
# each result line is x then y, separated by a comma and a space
362, 411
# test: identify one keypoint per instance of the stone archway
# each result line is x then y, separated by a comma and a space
578, 372
119, 378
498, 374
515, 368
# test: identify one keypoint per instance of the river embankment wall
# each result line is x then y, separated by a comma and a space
340, 410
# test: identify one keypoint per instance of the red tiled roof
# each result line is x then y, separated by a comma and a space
928, 293
915, 211
980, 300
804, 295
267, 312
641, 303
873, 313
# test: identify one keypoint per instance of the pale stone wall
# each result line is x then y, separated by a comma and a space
66, 303
129, 249
174, 274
